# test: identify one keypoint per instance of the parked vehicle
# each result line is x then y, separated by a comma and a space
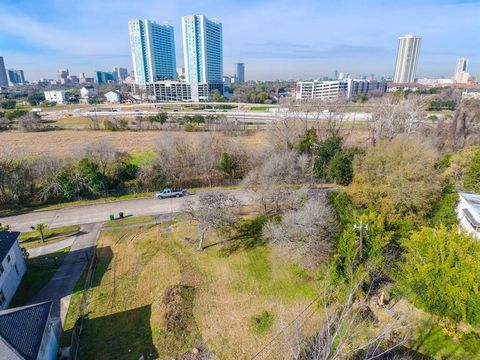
169, 193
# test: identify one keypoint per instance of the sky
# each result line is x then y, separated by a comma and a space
276, 39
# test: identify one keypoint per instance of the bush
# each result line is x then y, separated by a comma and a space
8, 104
325, 151
340, 168
439, 273
444, 211
471, 182
399, 178
262, 323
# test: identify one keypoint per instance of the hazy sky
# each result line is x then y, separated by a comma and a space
277, 39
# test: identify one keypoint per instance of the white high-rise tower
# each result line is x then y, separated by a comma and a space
3, 74
461, 71
203, 49
407, 59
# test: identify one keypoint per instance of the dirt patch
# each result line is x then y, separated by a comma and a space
178, 301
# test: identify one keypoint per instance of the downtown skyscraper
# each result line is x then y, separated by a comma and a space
407, 59
153, 51
203, 49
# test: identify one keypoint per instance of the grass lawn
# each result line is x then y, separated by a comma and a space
260, 108
129, 221
32, 239
143, 158
37, 276
73, 122
153, 294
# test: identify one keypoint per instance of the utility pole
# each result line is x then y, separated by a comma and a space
361, 227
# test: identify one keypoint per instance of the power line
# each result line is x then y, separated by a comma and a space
286, 327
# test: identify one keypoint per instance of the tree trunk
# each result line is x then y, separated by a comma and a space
41, 235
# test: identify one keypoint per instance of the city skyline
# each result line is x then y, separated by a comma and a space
275, 43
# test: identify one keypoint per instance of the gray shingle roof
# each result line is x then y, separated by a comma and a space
7, 239
22, 329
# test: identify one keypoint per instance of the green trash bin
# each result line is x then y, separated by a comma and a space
112, 217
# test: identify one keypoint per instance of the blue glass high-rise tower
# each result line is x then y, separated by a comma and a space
203, 49
153, 51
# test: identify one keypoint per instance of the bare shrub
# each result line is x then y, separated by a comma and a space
308, 232
30, 122
272, 180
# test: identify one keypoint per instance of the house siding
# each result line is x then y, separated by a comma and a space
9, 279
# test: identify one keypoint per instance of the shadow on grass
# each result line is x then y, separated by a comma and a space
51, 235
104, 258
430, 339
249, 236
122, 335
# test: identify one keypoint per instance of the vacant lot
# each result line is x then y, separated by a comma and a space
72, 142
155, 295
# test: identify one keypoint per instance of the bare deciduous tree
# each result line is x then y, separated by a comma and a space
271, 181
308, 232
101, 153
391, 118
212, 211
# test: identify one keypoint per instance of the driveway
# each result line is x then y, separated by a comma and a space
62, 284
94, 213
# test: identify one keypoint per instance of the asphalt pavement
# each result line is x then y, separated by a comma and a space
95, 213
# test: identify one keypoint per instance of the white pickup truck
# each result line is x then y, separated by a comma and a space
169, 193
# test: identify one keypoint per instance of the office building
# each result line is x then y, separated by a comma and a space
462, 76
121, 73
16, 77
240, 73
338, 89
203, 49
104, 77
62, 75
3, 74
153, 51
407, 59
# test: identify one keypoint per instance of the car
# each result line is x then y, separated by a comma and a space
169, 193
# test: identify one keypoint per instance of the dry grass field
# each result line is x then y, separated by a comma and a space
72, 142
229, 301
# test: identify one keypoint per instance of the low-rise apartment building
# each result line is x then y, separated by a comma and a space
338, 89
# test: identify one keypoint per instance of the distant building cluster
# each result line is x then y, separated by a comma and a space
155, 66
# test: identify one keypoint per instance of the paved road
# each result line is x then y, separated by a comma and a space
62, 284
89, 214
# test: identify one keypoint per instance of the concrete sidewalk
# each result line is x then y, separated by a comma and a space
51, 248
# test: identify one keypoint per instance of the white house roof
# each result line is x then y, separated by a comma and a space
473, 201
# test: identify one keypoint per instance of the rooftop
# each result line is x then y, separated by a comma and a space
21, 331
7, 239
473, 200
